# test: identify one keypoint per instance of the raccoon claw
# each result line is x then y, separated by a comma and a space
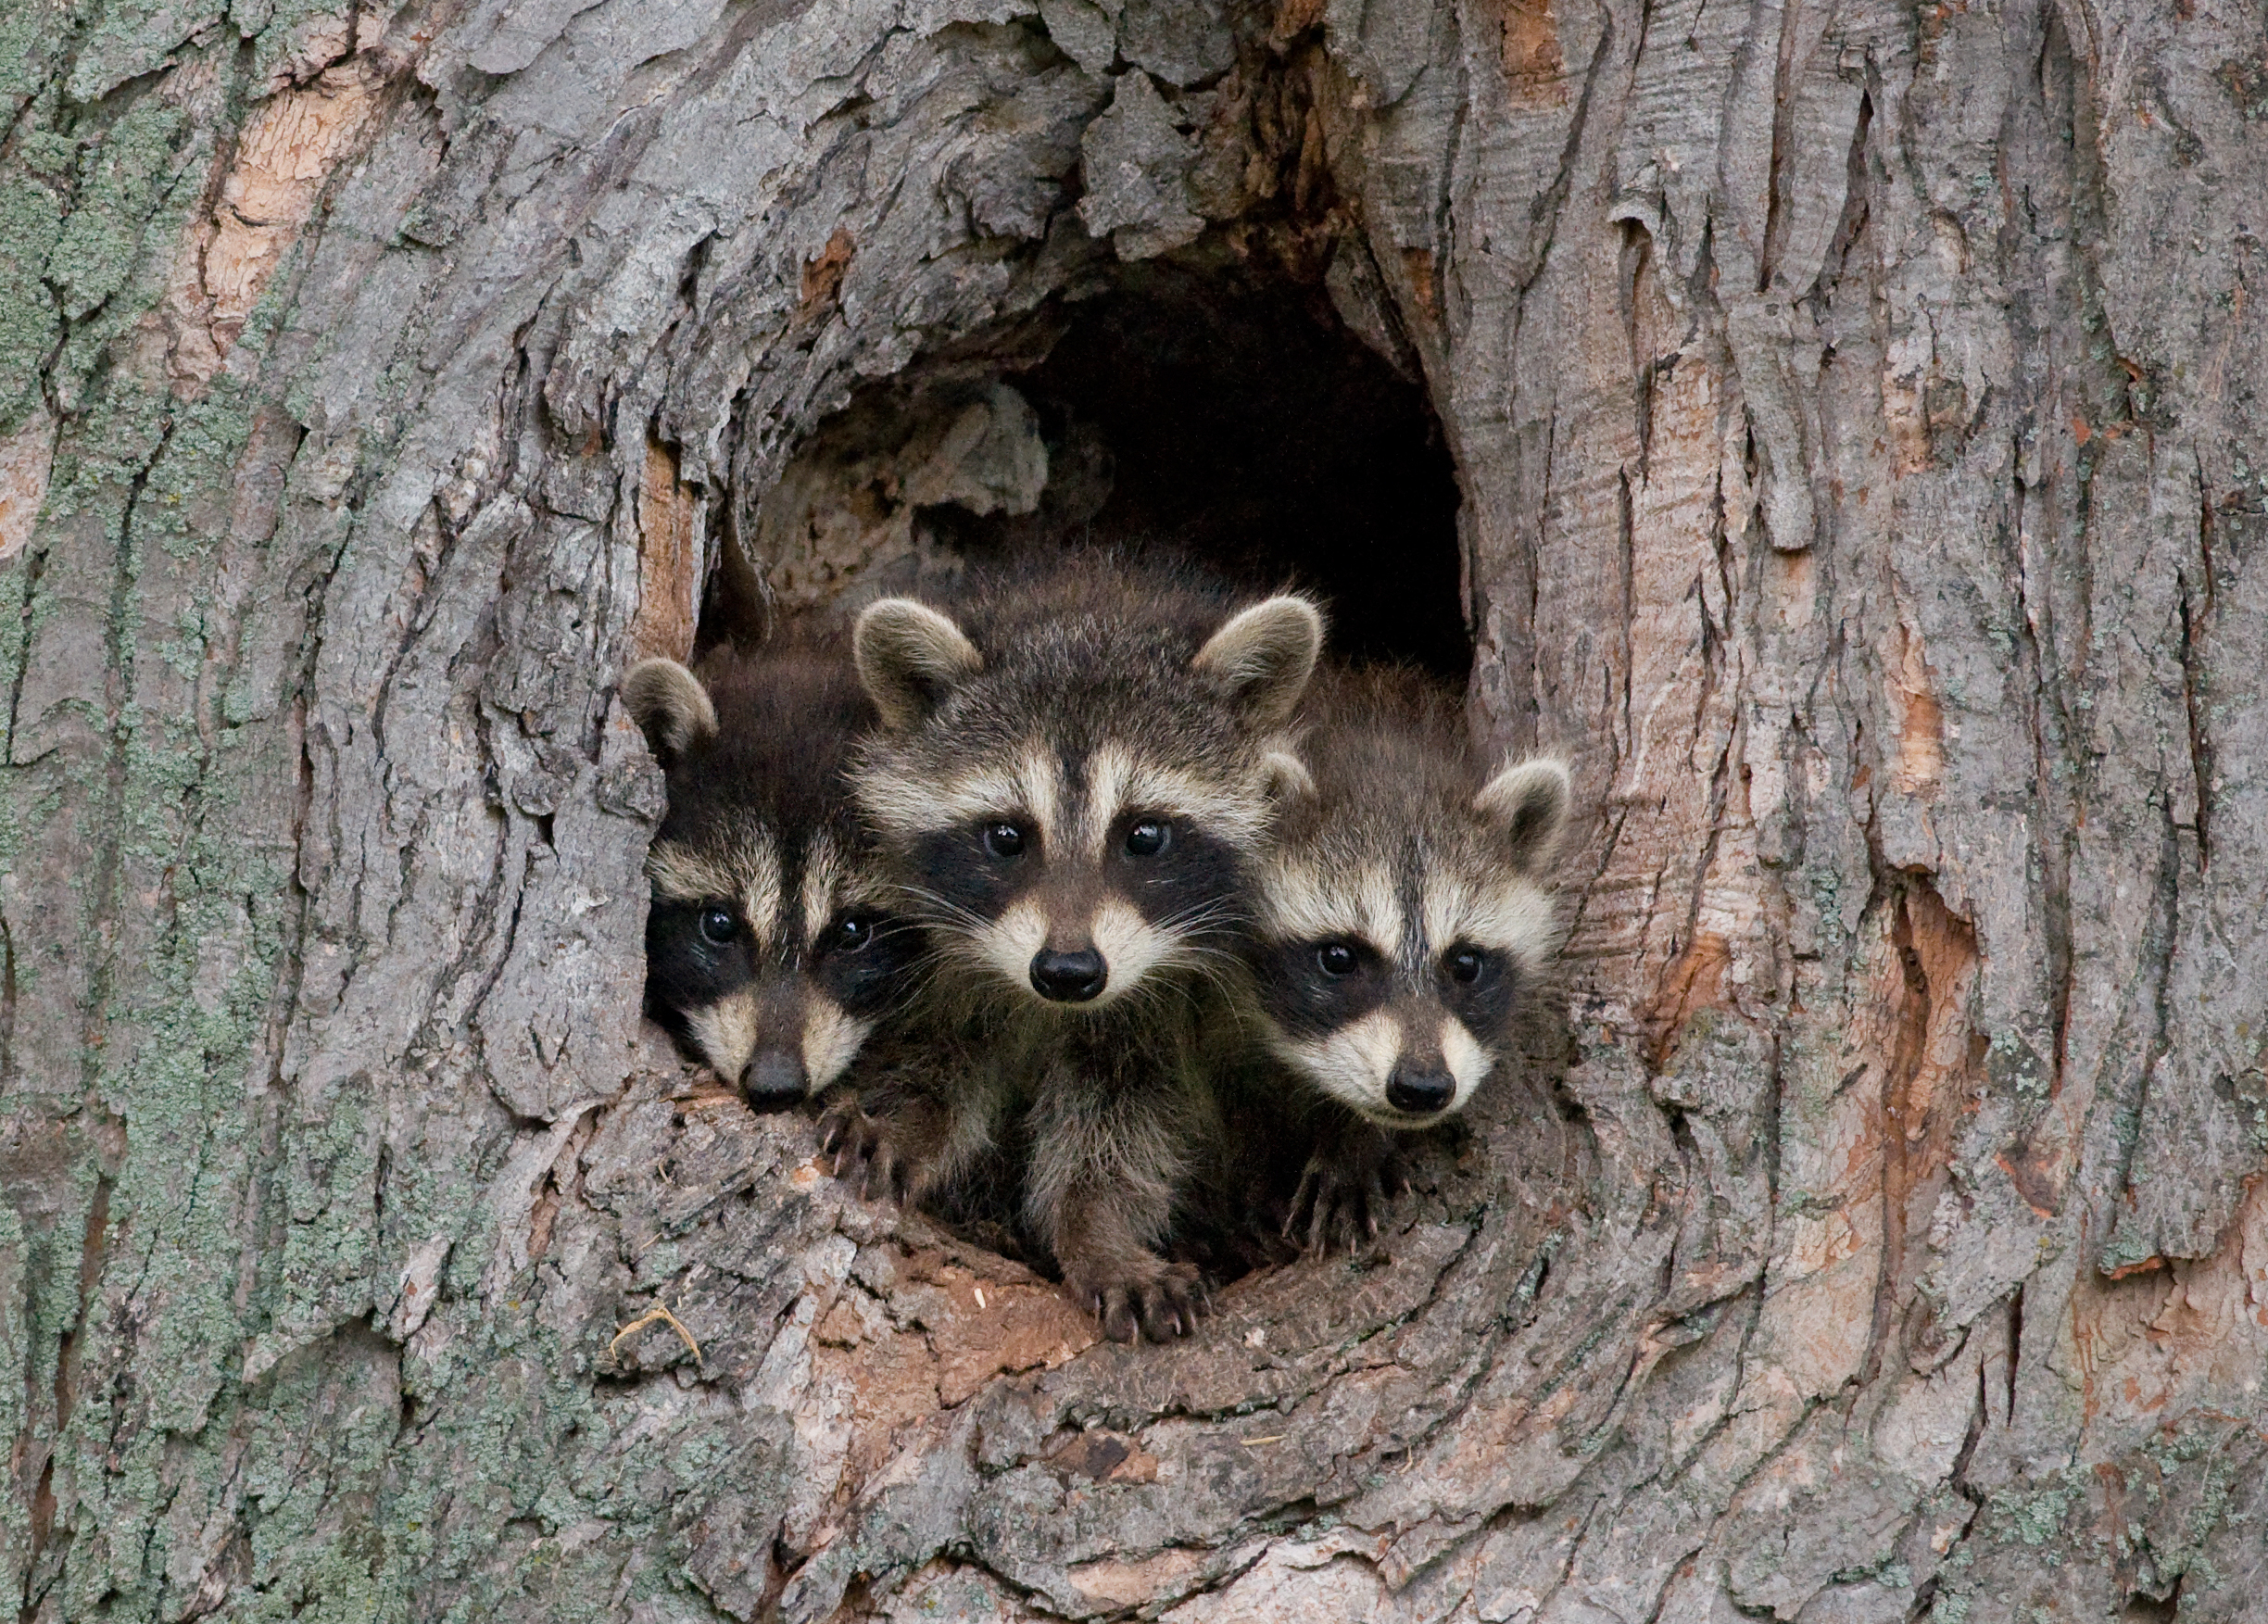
1340, 1206
834, 1126
860, 1155
1160, 1306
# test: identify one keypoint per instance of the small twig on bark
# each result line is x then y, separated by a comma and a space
659, 1312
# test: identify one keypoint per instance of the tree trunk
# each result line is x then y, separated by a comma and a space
1860, 474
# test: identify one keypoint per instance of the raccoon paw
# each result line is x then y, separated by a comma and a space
862, 1154
1340, 1201
1155, 1299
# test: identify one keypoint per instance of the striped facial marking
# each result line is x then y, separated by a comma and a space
1110, 860
747, 875
831, 1039
1316, 902
822, 879
1351, 1062
723, 1033
1119, 786
1392, 987
766, 959
1028, 787
1509, 915
1007, 944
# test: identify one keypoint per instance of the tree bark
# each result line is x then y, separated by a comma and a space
1853, 413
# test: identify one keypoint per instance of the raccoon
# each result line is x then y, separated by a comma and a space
771, 950
1073, 777
1401, 922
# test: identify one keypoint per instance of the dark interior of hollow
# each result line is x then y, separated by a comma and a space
1253, 432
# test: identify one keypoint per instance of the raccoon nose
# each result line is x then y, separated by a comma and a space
774, 1078
1069, 978
1418, 1091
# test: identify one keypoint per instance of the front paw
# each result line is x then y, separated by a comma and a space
1341, 1196
1144, 1297
864, 1155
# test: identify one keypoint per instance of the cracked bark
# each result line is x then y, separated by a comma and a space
1861, 468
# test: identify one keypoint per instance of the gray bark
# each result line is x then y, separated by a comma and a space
1855, 411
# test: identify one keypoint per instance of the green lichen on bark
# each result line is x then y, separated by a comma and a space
201, 914
278, 29
16, 1354
122, 179
31, 223
124, 39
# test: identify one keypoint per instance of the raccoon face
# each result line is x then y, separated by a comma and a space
1393, 961
770, 953
1075, 818
1074, 883
771, 961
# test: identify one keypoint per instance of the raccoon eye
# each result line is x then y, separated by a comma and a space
1466, 965
1004, 840
1148, 838
1335, 958
850, 933
718, 925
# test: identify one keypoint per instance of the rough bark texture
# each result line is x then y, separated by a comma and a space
1863, 461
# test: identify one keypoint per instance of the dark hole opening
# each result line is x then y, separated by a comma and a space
1244, 427
1253, 432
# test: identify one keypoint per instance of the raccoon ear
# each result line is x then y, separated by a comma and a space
670, 708
909, 658
1265, 654
1529, 802
1286, 777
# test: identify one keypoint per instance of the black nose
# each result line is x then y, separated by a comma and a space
1418, 1091
1069, 978
774, 1078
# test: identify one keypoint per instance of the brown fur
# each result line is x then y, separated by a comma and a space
1077, 709
1401, 927
762, 875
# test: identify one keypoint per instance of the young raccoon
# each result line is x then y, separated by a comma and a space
1401, 922
770, 949
1072, 778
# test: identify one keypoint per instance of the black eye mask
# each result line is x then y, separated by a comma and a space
696, 955
1311, 988
863, 960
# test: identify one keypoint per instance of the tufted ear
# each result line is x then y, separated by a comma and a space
670, 708
1285, 778
1529, 802
1265, 654
909, 658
